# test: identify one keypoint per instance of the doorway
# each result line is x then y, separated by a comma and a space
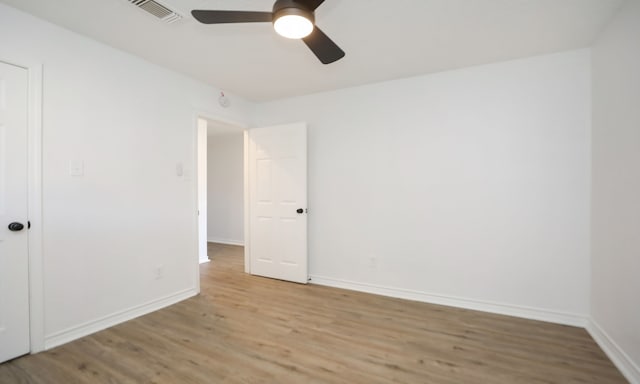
253, 187
221, 183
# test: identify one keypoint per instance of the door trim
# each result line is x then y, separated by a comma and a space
34, 190
241, 126
247, 206
36, 258
201, 184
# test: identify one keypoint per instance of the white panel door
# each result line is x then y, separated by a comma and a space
278, 202
14, 263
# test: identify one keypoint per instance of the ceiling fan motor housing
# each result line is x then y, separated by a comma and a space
292, 7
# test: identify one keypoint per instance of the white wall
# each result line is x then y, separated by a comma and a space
226, 188
130, 122
615, 295
468, 187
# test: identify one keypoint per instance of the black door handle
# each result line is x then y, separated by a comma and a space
300, 210
15, 226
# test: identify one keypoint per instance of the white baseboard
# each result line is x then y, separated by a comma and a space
90, 327
225, 241
205, 260
627, 367
485, 306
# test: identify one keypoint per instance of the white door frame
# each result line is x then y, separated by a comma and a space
247, 206
201, 177
34, 153
241, 126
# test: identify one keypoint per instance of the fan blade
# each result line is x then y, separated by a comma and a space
223, 17
311, 4
323, 47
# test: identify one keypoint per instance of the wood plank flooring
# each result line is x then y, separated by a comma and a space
246, 329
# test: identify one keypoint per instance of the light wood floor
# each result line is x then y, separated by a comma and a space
245, 329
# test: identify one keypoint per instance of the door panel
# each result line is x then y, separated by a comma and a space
277, 189
14, 263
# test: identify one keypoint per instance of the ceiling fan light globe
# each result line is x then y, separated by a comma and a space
293, 26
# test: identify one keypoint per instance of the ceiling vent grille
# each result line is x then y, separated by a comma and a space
156, 9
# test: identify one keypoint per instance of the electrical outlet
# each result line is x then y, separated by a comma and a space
159, 272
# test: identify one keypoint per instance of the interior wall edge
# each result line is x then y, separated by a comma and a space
617, 355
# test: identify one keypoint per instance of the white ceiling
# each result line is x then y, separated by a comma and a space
383, 40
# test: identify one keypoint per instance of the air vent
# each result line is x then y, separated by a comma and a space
158, 10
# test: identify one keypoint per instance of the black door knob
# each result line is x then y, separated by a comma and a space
300, 210
16, 227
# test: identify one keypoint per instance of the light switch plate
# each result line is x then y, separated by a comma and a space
76, 168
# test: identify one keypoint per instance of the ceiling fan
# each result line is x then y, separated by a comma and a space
294, 19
